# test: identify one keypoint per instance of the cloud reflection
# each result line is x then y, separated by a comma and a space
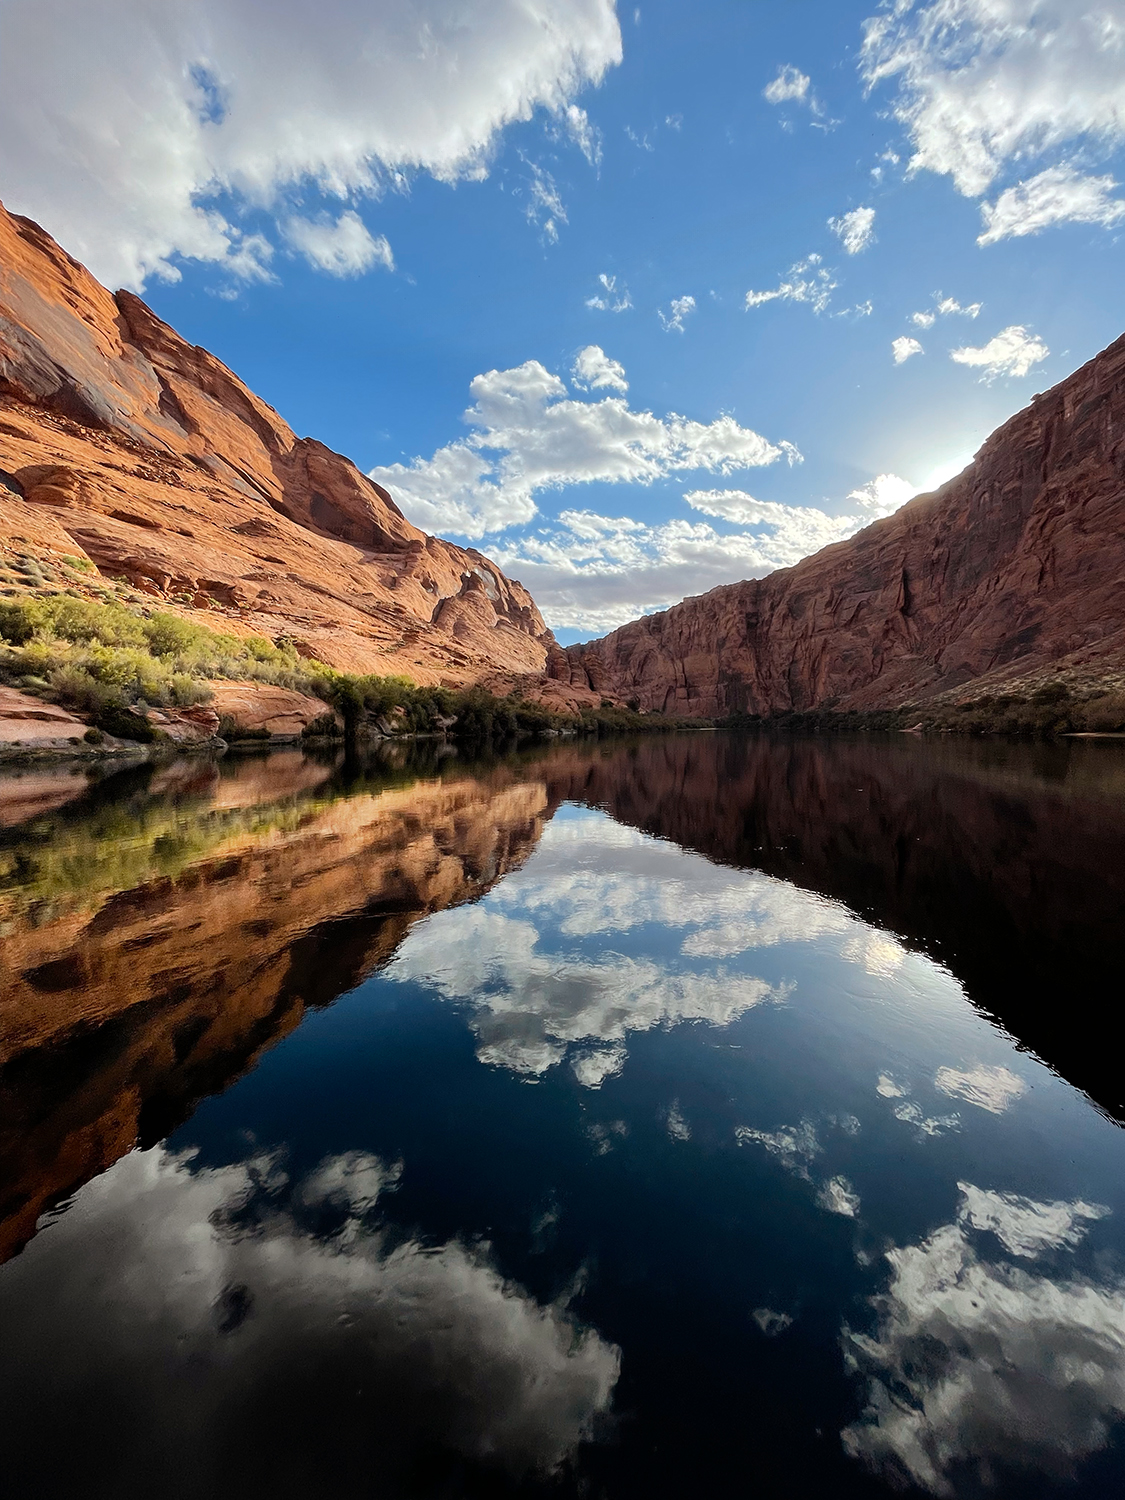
530, 1005
226, 1311
541, 990
978, 1365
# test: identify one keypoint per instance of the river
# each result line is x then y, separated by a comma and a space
702, 1115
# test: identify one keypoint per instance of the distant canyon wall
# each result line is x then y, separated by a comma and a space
1014, 568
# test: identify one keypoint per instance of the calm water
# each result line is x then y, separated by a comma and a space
708, 1116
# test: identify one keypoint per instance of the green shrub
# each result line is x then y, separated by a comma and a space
19, 620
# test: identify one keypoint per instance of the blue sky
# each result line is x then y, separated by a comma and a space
698, 276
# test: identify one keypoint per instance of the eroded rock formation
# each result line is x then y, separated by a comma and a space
1010, 570
123, 444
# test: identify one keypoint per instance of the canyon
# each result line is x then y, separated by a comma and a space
126, 448
1007, 576
132, 454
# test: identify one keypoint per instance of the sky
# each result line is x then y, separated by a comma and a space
638, 300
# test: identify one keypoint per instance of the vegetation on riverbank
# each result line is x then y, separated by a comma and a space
110, 663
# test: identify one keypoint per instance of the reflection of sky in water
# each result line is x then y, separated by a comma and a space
782, 1203
990, 1351
212, 1293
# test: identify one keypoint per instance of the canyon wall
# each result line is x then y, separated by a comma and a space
1010, 571
123, 444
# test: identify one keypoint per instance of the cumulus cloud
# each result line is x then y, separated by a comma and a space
542, 439
593, 369
808, 281
292, 1297
982, 86
903, 348
789, 85
609, 299
1058, 195
345, 248
137, 131
855, 230
592, 572
1012, 352
978, 1365
673, 319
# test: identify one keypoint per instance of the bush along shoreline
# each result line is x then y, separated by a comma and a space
116, 668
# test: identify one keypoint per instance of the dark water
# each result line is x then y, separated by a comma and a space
708, 1116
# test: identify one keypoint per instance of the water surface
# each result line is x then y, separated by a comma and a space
706, 1115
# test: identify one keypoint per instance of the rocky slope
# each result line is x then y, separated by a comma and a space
122, 444
1011, 571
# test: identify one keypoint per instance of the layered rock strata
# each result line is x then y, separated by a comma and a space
1012, 570
122, 444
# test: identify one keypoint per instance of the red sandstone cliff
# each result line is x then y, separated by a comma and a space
1013, 569
125, 445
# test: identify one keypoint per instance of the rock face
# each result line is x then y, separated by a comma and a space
39, 726
1011, 569
123, 444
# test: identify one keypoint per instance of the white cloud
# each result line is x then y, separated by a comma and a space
771, 1322
610, 299
978, 1365
587, 137
544, 440
855, 230
807, 281
789, 85
594, 369
903, 348
991, 1088
1012, 352
944, 307
345, 248
1058, 195
593, 573
124, 123
172, 1268
983, 84
677, 312
545, 207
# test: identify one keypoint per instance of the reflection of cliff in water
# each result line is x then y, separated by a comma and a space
161, 930
1004, 862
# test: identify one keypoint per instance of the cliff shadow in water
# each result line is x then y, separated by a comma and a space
1003, 861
